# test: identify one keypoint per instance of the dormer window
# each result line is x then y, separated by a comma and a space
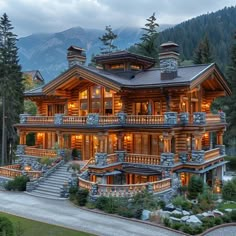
117, 67
135, 67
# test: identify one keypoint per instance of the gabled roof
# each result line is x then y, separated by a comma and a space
190, 76
34, 74
34, 92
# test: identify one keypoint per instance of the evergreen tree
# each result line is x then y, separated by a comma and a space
108, 39
202, 54
11, 89
149, 40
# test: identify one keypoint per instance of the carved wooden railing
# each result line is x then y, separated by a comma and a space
85, 184
213, 118
145, 119
75, 120
91, 161
108, 120
39, 152
40, 119
161, 185
142, 159
211, 154
111, 158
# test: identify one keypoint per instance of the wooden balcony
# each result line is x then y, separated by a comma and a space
142, 159
122, 119
124, 190
39, 152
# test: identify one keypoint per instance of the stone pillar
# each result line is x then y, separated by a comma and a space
198, 156
204, 178
20, 149
184, 118
121, 117
23, 118
100, 159
183, 157
150, 187
167, 159
222, 117
170, 118
120, 155
92, 119
58, 119
199, 118
94, 190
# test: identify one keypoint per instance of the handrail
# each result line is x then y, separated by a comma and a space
142, 159
212, 153
91, 161
39, 152
40, 119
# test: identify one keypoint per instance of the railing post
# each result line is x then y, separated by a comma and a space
167, 159
23, 118
121, 117
170, 118
100, 159
92, 119
184, 118
20, 149
120, 156
58, 119
198, 156
199, 118
222, 149
149, 187
183, 157
222, 117
94, 189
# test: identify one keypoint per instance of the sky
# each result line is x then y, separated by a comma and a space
49, 16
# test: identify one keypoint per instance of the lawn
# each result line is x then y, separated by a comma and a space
35, 228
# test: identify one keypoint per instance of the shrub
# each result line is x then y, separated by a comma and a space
74, 153
138, 213
197, 230
47, 161
187, 229
166, 222
232, 162
218, 221
208, 222
19, 183
6, 226
101, 203
82, 195
122, 211
233, 215
226, 218
181, 202
176, 226
90, 205
229, 191
162, 204
195, 187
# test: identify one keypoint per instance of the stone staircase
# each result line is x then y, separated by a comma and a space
51, 187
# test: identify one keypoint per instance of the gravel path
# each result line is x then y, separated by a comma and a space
225, 231
63, 213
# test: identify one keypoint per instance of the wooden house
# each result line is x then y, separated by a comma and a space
136, 126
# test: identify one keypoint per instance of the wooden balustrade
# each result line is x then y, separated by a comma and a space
79, 120
211, 154
9, 172
40, 120
85, 184
91, 161
142, 159
161, 185
39, 152
113, 120
111, 158
108, 120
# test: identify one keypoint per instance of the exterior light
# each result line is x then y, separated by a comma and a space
27, 168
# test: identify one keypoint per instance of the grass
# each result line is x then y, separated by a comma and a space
36, 228
228, 205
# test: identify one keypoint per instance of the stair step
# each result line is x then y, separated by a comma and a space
46, 193
48, 190
52, 184
45, 196
46, 186
56, 182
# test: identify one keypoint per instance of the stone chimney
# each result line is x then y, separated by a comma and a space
168, 56
75, 56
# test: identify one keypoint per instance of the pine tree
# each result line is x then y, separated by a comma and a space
108, 39
203, 54
11, 89
149, 40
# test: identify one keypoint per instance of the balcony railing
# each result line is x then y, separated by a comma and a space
142, 159
121, 119
39, 152
124, 189
211, 154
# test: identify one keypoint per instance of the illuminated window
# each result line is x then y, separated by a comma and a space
83, 94
117, 66
135, 67
96, 91
107, 93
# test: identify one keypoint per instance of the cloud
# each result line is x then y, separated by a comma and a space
31, 16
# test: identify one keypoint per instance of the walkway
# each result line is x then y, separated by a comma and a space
63, 213
224, 231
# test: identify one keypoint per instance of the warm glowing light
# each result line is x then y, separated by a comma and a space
40, 134
71, 105
78, 136
206, 135
218, 189
27, 168
119, 104
188, 139
127, 137
183, 104
94, 137
97, 91
161, 137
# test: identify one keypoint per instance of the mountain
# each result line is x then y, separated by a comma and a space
219, 27
47, 52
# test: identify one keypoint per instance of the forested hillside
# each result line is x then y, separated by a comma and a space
219, 28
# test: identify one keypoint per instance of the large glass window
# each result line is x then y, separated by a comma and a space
141, 108
83, 94
96, 91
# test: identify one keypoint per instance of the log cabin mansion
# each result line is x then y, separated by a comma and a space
136, 126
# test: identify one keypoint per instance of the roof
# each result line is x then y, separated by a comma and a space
187, 76
72, 47
34, 74
34, 92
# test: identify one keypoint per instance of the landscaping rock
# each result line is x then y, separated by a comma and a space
184, 218
208, 214
174, 219
185, 213
194, 221
163, 214
145, 215
170, 207
228, 210
218, 213
177, 212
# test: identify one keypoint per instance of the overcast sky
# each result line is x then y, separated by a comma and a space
36, 16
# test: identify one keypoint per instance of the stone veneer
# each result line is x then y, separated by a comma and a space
100, 159
93, 119
198, 156
199, 118
170, 118
167, 159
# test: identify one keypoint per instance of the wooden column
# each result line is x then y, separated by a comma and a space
167, 142
120, 141
220, 137
102, 142
198, 140
22, 138
59, 139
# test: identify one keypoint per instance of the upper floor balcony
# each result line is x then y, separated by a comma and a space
168, 119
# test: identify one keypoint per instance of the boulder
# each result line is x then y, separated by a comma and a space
145, 215
194, 221
228, 210
184, 218
174, 219
185, 213
163, 214
218, 213
177, 212
208, 214
170, 207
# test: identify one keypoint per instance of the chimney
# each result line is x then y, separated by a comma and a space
75, 56
168, 56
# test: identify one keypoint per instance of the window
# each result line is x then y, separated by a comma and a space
96, 92
83, 94
141, 108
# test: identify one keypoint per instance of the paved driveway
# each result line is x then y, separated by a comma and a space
63, 213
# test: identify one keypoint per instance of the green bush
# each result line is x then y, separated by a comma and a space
226, 218
6, 226
162, 204
82, 196
232, 162
123, 211
181, 202
47, 161
229, 190
208, 222
233, 215
101, 203
218, 221
138, 213
19, 183
166, 222
187, 229
176, 226
195, 187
